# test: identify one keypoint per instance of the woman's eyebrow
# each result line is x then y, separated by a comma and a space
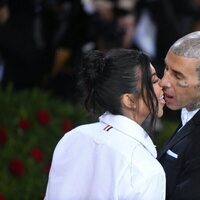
154, 74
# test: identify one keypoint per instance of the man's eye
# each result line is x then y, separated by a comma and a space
178, 76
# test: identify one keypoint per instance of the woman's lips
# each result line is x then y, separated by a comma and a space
162, 100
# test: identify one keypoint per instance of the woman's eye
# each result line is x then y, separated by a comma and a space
155, 80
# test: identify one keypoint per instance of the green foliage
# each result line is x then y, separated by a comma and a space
31, 124
168, 127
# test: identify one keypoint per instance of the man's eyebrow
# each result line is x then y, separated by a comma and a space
174, 70
178, 73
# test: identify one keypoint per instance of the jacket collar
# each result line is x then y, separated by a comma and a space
181, 133
129, 128
187, 115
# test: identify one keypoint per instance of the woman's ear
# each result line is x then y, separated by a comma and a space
127, 101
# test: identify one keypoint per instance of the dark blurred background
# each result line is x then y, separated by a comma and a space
41, 41
41, 44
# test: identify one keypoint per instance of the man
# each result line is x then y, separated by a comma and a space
181, 85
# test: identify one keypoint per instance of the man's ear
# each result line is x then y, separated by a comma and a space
127, 101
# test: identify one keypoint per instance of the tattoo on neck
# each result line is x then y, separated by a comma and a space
193, 106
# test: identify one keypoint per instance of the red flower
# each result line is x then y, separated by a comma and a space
3, 136
43, 117
37, 154
2, 197
24, 124
66, 125
16, 167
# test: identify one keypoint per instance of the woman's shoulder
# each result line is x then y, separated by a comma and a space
146, 163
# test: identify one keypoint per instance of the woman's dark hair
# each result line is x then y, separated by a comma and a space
105, 77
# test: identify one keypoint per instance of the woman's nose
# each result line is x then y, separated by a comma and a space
159, 83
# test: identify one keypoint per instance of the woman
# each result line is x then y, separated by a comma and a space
113, 159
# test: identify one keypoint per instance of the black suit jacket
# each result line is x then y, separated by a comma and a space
180, 159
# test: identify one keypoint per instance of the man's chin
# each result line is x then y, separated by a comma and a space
172, 107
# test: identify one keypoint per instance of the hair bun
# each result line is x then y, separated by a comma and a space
93, 65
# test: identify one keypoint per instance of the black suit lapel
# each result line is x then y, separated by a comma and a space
184, 131
176, 138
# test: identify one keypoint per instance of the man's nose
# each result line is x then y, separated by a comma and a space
165, 81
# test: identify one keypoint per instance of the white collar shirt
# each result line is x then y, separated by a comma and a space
113, 159
187, 115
